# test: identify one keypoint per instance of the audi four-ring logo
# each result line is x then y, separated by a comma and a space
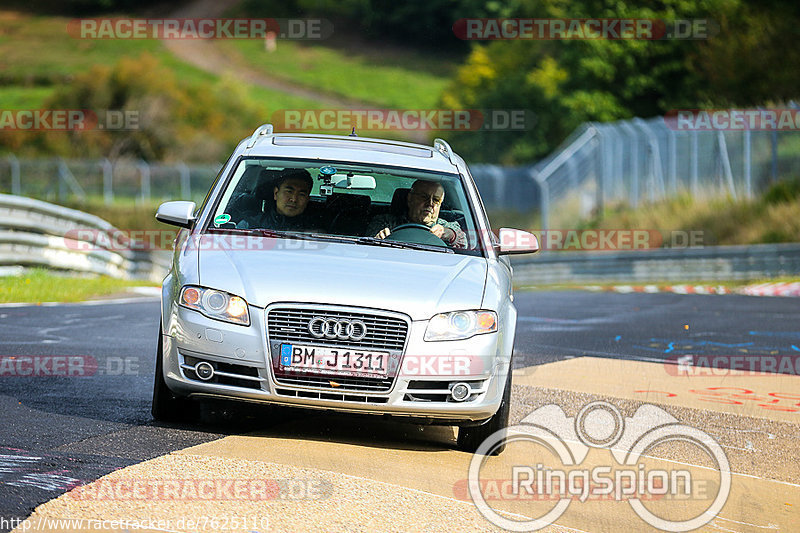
337, 328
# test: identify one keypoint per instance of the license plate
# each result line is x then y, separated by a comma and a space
335, 361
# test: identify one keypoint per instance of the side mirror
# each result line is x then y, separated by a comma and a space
515, 241
356, 181
178, 213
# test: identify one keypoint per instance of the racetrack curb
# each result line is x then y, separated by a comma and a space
761, 289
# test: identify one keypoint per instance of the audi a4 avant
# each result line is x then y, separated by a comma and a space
341, 273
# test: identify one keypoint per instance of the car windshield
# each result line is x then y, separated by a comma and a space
368, 205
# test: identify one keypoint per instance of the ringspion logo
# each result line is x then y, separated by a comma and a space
563, 476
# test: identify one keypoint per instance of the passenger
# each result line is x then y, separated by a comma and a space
424, 201
291, 192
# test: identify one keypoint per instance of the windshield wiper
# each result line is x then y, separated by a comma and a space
263, 232
374, 241
333, 238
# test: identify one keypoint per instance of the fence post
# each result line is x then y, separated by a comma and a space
673, 160
108, 177
544, 199
654, 166
634, 160
774, 151
16, 183
144, 170
693, 162
619, 181
601, 173
186, 184
66, 179
722, 147
748, 179
62, 191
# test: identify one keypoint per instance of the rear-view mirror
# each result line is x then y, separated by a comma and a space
355, 181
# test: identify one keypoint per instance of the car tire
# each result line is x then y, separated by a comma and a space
471, 437
166, 406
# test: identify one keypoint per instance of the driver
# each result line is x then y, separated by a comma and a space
424, 201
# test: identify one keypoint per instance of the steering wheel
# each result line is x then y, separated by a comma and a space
410, 225
415, 233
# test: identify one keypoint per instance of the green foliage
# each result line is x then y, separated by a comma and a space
174, 121
426, 25
356, 76
81, 7
752, 59
783, 191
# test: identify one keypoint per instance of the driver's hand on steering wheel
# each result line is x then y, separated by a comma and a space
382, 234
438, 230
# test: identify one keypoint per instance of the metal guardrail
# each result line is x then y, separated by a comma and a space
713, 263
36, 233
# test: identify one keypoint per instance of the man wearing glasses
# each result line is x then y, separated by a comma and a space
424, 201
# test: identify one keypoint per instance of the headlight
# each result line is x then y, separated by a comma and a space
216, 304
460, 325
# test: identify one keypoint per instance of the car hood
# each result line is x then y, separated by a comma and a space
418, 283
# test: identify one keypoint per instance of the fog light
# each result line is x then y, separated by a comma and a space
204, 370
460, 391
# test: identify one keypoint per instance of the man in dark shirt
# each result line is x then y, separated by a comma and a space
424, 201
291, 193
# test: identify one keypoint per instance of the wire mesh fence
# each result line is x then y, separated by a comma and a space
630, 161
635, 161
56, 179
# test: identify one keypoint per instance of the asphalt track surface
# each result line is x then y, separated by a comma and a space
56, 432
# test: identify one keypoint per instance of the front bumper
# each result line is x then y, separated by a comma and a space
242, 359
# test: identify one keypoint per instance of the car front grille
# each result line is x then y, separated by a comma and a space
383, 333
290, 325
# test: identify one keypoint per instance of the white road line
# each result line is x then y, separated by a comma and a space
771, 526
132, 299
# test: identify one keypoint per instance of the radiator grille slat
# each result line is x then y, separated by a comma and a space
290, 325
383, 333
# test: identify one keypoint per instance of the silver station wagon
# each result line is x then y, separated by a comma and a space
342, 273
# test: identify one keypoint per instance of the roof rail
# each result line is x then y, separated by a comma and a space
264, 129
442, 146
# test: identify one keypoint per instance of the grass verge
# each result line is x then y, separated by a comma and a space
39, 285
771, 217
351, 75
